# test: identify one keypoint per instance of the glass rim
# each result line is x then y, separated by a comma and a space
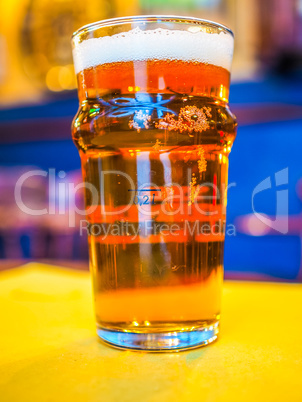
150, 18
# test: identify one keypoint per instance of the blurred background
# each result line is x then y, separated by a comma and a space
38, 101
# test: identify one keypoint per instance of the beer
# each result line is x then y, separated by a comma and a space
154, 132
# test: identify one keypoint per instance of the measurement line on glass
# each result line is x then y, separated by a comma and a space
144, 189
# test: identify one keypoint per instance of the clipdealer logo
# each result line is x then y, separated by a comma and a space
280, 221
65, 191
149, 227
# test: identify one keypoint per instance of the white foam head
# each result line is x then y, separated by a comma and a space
160, 44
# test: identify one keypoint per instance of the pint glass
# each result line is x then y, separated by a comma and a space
154, 132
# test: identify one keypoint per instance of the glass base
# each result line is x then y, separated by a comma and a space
160, 341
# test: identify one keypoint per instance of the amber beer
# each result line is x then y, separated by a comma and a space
154, 132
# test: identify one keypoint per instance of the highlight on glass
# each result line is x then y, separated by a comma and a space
154, 132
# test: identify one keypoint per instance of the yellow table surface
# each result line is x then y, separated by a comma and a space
50, 352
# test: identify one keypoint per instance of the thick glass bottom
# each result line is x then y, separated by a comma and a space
160, 341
